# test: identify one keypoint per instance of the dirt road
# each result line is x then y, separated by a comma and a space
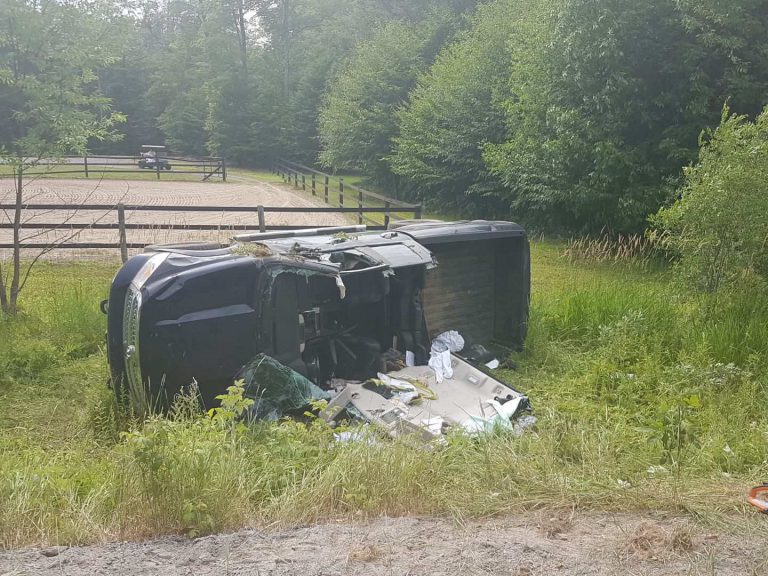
523, 545
154, 193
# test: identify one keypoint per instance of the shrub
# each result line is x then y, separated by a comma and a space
188, 471
719, 224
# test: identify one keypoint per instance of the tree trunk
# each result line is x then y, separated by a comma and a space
3, 295
13, 296
242, 35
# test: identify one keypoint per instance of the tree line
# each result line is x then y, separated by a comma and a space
567, 115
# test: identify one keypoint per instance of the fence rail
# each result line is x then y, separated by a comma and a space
260, 221
334, 190
375, 210
95, 166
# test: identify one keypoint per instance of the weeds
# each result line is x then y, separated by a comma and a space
188, 473
650, 541
634, 249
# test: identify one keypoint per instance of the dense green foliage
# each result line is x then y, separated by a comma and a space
456, 110
50, 104
609, 98
568, 115
357, 122
719, 226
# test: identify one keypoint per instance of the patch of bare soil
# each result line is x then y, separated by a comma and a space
155, 193
545, 543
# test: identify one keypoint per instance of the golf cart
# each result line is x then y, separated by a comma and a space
151, 158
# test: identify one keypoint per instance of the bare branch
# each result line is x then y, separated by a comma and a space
74, 211
62, 241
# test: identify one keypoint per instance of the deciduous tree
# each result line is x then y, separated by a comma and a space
50, 104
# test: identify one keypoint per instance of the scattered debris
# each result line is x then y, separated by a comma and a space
412, 400
440, 353
757, 497
255, 249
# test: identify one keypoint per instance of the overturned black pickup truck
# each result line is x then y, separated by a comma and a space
333, 305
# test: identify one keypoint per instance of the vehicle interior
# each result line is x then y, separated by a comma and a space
315, 331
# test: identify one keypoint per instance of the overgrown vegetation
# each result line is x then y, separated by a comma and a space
645, 399
719, 226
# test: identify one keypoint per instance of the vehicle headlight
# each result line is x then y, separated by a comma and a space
148, 269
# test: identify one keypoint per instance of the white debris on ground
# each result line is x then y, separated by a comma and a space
440, 353
429, 401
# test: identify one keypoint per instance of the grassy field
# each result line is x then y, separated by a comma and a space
645, 399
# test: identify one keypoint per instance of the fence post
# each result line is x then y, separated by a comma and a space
223, 170
303, 183
341, 192
157, 166
314, 185
85, 165
387, 205
262, 223
295, 179
326, 188
360, 206
121, 229
417, 212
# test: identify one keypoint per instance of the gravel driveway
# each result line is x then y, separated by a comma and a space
563, 543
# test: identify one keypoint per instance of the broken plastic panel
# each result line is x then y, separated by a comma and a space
471, 400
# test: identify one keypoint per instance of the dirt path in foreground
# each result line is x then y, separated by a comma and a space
522, 545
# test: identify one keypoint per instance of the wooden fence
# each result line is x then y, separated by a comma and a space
205, 168
374, 210
334, 191
120, 225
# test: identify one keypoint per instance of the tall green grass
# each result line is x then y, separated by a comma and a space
647, 398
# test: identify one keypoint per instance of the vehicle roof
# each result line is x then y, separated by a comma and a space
398, 247
389, 247
405, 245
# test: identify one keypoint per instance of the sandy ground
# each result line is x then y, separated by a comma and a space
540, 543
153, 193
